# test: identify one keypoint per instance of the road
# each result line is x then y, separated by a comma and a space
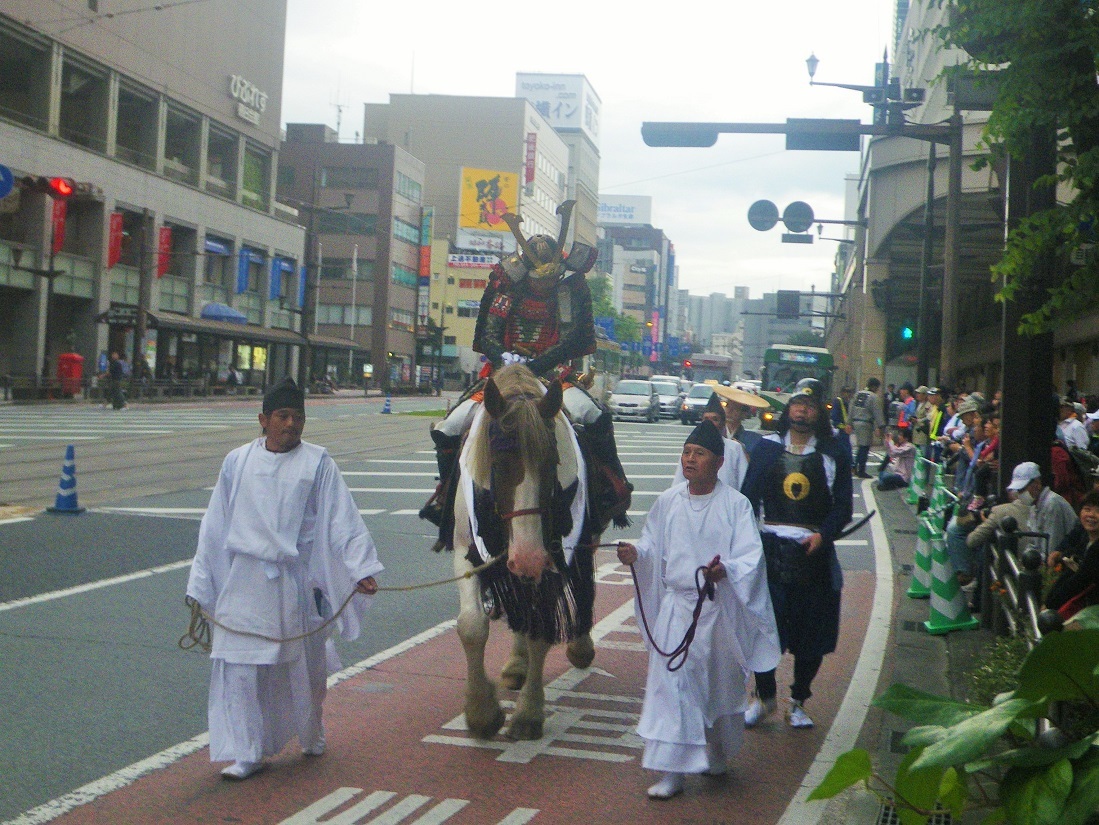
91, 605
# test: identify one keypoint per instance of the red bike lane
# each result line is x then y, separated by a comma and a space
398, 751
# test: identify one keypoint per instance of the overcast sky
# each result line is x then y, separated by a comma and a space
702, 61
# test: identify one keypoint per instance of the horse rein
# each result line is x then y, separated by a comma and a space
705, 589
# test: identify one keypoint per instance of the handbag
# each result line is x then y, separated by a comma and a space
1075, 604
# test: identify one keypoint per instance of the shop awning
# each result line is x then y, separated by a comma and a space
214, 311
330, 342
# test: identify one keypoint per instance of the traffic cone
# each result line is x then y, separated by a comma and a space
388, 408
916, 485
949, 610
66, 489
921, 568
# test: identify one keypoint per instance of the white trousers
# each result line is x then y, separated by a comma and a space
255, 710
726, 736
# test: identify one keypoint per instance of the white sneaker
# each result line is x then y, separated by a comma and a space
797, 717
241, 770
758, 710
669, 785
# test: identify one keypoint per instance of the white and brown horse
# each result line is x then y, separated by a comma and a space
521, 494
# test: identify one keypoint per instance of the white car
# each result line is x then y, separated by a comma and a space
634, 399
670, 398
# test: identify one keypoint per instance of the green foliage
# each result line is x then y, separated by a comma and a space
996, 669
806, 338
1043, 54
968, 756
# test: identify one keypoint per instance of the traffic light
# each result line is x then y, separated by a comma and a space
907, 333
56, 188
686, 363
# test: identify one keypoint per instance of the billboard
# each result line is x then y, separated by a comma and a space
566, 101
625, 210
485, 196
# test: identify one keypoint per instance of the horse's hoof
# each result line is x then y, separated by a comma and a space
580, 652
482, 727
524, 728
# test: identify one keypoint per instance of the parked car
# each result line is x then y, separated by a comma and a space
670, 398
634, 399
695, 403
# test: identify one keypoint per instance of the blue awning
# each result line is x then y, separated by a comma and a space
221, 312
216, 246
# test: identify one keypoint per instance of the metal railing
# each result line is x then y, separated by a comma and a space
1016, 577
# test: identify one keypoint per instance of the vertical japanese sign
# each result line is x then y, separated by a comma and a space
60, 209
163, 251
532, 154
114, 244
426, 229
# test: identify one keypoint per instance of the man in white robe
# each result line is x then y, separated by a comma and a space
282, 545
692, 719
735, 464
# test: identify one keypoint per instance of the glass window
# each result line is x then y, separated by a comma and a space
402, 230
84, 103
25, 68
633, 388
137, 125
349, 177
404, 277
335, 222
257, 177
221, 163
400, 319
408, 188
219, 262
182, 139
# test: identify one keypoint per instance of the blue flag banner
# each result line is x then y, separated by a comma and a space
301, 288
243, 259
274, 291
606, 323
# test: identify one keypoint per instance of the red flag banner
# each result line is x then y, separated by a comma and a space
60, 209
114, 245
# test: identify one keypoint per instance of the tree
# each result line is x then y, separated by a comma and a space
1044, 56
806, 338
602, 304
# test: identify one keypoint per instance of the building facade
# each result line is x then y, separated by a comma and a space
364, 204
173, 249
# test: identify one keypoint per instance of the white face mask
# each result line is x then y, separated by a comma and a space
1026, 498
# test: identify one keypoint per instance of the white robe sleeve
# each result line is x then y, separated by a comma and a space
341, 550
649, 567
210, 567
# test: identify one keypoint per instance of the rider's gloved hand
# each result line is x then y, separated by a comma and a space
510, 358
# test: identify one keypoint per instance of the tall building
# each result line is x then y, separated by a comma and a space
482, 156
364, 203
173, 249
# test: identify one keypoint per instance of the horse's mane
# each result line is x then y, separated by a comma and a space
520, 421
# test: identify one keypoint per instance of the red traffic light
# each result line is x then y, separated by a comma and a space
62, 187
687, 363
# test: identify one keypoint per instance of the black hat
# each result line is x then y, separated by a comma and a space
706, 435
714, 406
283, 394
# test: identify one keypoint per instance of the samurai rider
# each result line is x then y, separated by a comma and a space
537, 310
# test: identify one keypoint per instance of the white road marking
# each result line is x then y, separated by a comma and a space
16, 519
404, 512
89, 586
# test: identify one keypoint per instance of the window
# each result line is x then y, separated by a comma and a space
340, 268
84, 103
341, 314
468, 309
182, 136
402, 230
349, 177
285, 178
400, 319
334, 222
221, 163
450, 340
257, 177
472, 283
137, 125
404, 277
219, 261
25, 68
408, 188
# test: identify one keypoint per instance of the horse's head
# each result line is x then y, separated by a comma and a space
523, 456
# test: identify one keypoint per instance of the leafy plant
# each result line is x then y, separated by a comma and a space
967, 756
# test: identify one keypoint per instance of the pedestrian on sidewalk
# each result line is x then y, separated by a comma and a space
692, 719
116, 371
799, 480
281, 547
902, 460
867, 421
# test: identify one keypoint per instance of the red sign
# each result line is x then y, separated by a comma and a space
60, 209
425, 261
114, 246
163, 251
532, 153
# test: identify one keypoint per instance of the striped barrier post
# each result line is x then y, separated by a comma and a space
921, 567
949, 607
66, 488
916, 486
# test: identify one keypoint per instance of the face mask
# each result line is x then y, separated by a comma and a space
1026, 498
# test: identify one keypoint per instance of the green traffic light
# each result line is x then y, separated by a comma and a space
907, 334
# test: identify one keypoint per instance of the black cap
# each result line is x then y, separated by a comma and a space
706, 435
283, 394
714, 406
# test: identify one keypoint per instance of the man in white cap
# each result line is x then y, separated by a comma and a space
281, 547
1071, 431
1050, 513
692, 719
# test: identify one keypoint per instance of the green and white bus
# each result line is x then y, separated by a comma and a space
785, 364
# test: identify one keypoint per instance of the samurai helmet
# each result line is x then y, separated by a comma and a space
541, 254
808, 389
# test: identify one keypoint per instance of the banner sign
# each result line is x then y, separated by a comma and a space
486, 195
114, 245
532, 155
60, 209
163, 251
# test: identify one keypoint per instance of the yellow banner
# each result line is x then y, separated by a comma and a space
486, 196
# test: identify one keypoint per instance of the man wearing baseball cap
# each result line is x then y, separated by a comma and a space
1050, 513
1070, 430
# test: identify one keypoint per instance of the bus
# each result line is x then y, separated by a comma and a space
706, 368
785, 364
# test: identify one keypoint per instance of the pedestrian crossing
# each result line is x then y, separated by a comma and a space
23, 426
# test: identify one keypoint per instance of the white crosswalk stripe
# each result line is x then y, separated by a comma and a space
30, 425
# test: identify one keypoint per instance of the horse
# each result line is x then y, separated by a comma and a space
521, 495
